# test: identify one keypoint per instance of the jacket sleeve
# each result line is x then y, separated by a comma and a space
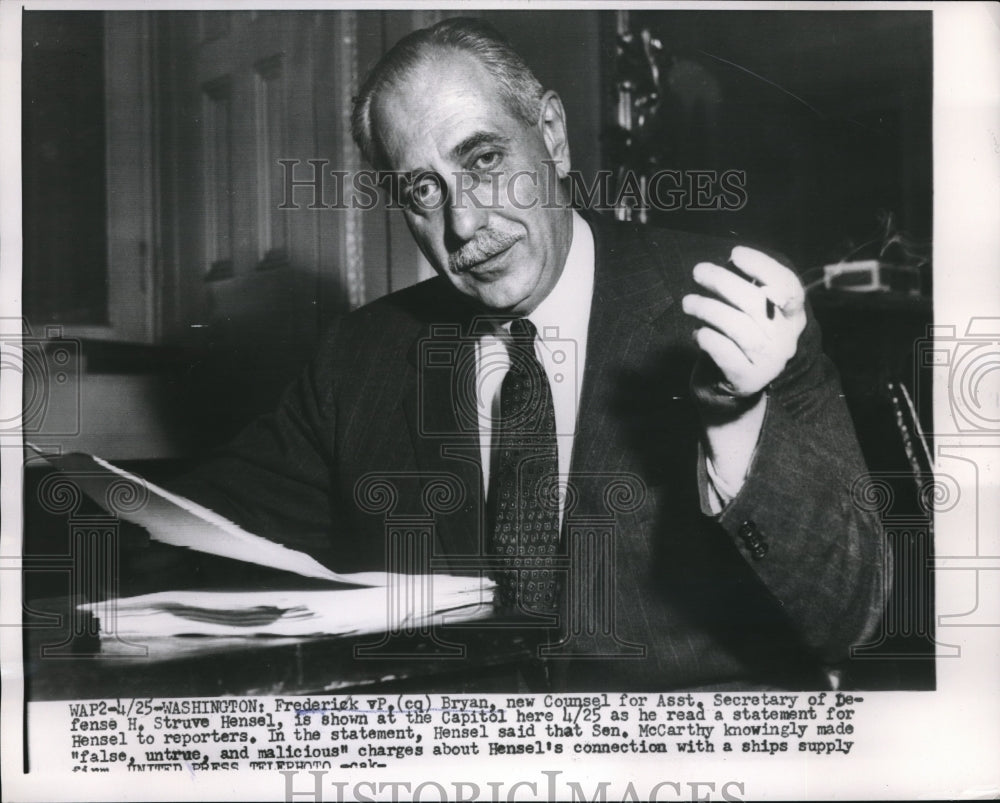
820, 555
273, 479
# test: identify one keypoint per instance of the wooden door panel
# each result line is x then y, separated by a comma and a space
249, 276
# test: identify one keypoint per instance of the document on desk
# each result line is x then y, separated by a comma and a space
176, 520
378, 601
347, 612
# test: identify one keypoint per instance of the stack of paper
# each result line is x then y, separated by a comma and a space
375, 602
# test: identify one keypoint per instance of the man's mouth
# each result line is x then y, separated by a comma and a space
489, 263
478, 262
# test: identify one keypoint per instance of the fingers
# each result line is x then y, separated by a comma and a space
779, 283
726, 355
732, 289
743, 332
735, 324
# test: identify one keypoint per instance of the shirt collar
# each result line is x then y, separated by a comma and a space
565, 312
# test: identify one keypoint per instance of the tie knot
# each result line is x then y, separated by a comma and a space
522, 347
523, 332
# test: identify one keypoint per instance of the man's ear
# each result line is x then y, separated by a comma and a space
552, 124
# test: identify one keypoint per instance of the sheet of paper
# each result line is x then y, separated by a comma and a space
418, 601
176, 520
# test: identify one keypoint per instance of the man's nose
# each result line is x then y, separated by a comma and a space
465, 214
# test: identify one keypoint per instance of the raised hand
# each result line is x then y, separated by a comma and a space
751, 323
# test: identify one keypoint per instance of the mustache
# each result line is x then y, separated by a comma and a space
487, 243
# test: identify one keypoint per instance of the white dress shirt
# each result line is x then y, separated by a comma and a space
562, 321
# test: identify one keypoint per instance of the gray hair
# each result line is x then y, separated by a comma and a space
518, 85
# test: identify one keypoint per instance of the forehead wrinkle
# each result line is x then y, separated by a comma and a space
430, 130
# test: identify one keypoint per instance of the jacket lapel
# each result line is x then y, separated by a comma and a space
627, 323
633, 323
440, 408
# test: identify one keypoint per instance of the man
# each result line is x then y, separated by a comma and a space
646, 448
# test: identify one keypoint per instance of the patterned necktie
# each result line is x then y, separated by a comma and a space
522, 500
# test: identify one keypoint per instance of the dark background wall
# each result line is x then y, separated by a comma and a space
829, 114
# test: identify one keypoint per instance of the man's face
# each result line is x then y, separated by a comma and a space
481, 201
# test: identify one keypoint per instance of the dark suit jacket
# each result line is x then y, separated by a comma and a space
684, 603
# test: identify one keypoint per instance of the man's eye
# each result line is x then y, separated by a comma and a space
486, 161
425, 194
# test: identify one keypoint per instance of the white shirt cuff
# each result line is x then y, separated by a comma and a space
738, 440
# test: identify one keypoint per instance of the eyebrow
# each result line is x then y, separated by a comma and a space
460, 151
473, 141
